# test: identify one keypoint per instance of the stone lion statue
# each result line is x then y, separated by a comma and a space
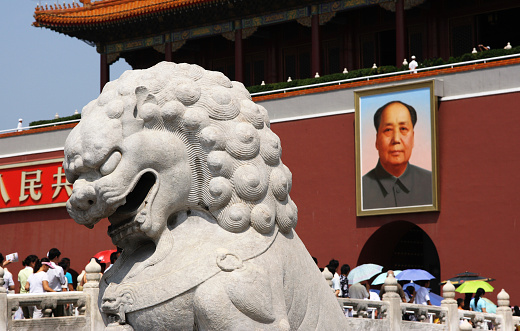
188, 172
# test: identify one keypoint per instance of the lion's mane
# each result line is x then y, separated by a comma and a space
237, 173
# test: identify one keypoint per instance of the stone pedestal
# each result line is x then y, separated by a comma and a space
449, 302
91, 288
394, 300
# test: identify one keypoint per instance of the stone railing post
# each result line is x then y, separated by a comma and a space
449, 302
504, 310
4, 314
328, 276
391, 296
91, 288
465, 326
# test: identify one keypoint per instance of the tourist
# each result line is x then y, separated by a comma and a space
113, 259
316, 261
24, 274
65, 264
358, 290
57, 280
460, 304
477, 304
8, 277
467, 300
399, 288
516, 311
409, 293
422, 297
372, 295
343, 281
20, 125
38, 282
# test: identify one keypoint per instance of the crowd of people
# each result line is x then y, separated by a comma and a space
417, 292
42, 275
362, 290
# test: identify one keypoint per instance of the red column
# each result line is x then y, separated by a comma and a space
168, 51
239, 65
399, 32
315, 55
271, 63
348, 47
105, 71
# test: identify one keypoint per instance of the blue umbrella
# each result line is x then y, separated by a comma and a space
414, 274
415, 286
381, 278
435, 299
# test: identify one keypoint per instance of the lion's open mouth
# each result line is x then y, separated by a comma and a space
136, 201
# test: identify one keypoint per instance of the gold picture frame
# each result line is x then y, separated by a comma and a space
396, 165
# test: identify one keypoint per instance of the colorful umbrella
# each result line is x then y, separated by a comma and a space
414, 274
490, 306
466, 276
473, 285
104, 256
363, 272
381, 278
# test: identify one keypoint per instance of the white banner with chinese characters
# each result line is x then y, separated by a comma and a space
33, 185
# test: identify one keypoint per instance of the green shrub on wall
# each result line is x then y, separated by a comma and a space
381, 70
340, 76
56, 120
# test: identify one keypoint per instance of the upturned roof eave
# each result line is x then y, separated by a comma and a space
76, 16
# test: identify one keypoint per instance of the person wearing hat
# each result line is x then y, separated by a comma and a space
39, 283
413, 65
20, 125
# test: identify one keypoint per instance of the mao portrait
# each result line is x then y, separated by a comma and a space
395, 150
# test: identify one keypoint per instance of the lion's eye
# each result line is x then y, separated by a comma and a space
111, 163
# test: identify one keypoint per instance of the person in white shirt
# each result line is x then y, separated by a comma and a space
8, 277
422, 295
413, 65
113, 259
39, 283
20, 125
57, 280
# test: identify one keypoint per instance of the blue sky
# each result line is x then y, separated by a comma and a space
43, 72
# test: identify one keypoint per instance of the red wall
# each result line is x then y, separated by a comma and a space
476, 228
37, 231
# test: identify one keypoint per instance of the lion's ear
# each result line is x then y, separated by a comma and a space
143, 97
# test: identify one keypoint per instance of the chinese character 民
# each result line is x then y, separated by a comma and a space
31, 183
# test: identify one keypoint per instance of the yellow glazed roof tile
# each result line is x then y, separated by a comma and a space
105, 11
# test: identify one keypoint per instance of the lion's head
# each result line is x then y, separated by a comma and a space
171, 138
